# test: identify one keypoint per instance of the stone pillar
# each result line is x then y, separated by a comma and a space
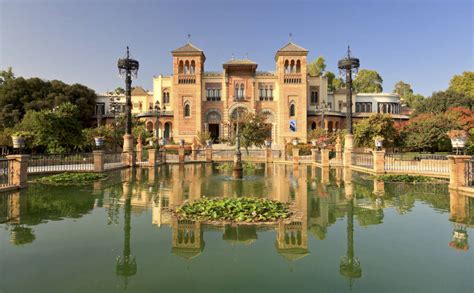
208, 154
18, 169
338, 150
325, 158
151, 157
139, 150
285, 150
348, 187
163, 156
348, 145
314, 155
128, 157
268, 155
296, 155
457, 170
193, 152
181, 154
98, 160
379, 162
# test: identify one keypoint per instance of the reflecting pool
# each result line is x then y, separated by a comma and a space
353, 233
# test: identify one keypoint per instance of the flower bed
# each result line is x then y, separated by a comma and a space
70, 178
244, 209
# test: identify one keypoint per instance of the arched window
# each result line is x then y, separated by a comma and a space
271, 92
242, 91
292, 110
181, 67
193, 67
236, 90
186, 67
287, 70
166, 97
187, 110
298, 66
266, 92
313, 125
293, 66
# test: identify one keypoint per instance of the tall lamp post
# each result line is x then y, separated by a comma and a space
347, 66
128, 69
237, 170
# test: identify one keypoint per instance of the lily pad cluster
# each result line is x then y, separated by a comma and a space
243, 209
68, 178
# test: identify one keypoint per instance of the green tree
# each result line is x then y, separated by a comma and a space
402, 89
368, 81
253, 131
119, 91
439, 102
376, 125
317, 67
19, 95
426, 132
463, 84
55, 131
6, 75
333, 82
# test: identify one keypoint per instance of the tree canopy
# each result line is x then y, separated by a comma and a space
376, 125
463, 84
317, 67
333, 82
368, 81
439, 102
405, 92
19, 95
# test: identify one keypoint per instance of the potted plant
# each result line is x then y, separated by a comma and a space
18, 139
458, 138
314, 142
378, 139
181, 142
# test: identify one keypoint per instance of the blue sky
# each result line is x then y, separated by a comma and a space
422, 42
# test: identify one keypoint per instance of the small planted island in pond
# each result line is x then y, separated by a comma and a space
70, 178
244, 209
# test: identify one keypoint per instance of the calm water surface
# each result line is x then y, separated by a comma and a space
354, 234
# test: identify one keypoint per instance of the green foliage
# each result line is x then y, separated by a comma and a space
376, 125
426, 132
404, 178
71, 178
22, 235
253, 130
243, 209
202, 137
405, 92
19, 95
305, 149
333, 82
463, 84
440, 102
368, 81
247, 166
317, 67
56, 131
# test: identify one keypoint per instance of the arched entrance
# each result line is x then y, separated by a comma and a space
213, 120
167, 132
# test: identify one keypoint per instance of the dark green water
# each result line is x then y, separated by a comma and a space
354, 234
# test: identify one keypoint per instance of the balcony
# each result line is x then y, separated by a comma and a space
292, 78
186, 78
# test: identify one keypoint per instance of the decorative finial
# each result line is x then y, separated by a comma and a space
189, 38
291, 36
348, 51
128, 52
247, 55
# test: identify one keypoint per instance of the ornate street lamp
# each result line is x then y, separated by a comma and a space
347, 66
128, 69
126, 265
349, 266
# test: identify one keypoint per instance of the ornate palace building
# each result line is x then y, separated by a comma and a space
193, 100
